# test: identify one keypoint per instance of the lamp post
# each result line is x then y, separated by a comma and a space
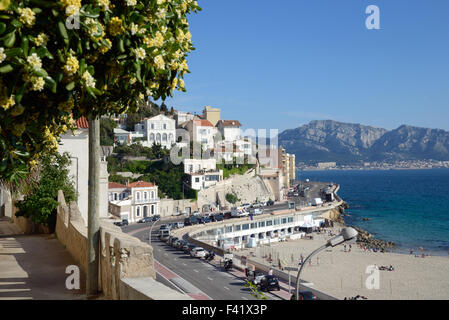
346, 235
151, 228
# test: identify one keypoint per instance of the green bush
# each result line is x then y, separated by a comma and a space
41, 203
231, 198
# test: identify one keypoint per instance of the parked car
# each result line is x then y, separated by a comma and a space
156, 217
191, 221
246, 206
187, 249
164, 234
270, 202
227, 215
171, 240
181, 244
163, 227
256, 205
145, 220
256, 211
179, 224
122, 223
269, 283
217, 217
196, 213
205, 220
304, 295
198, 252
175, 243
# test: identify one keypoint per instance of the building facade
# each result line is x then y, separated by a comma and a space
212, 115
134, 201
159, 129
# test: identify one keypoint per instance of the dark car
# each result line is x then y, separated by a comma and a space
217, 217
122, 223
191, 221
270, 202
304, 295
145, 220
205, 220
227, 215
189, 248
269, 283
156, 217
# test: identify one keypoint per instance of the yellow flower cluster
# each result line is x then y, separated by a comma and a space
72, 7
18, 129
2, 54
131, 3
37, 83
95, 29
41, 39
104, 4
90, 81
6, 102
72, 65
103, 49
116, 27
34, 61
157, 41
159, 62
27, 16
140, 53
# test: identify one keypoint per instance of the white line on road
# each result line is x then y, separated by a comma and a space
195, 270
226, 288
209, 278
184, 264
244, 298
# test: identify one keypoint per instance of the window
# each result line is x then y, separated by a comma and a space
261, 224
115, 195
253, 225
276, 222
145, 195
152, 209
152, 126
245, 226
137, 195
197, 179
152, 194
143, 127
164, 126
284, 220
238, 228
229, 229
290, 219
138, 212
190, 167
269, 223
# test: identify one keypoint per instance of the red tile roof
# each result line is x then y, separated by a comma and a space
114, 185
140, 184
202, 123
82, 123
229, 123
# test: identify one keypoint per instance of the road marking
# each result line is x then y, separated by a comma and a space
226, 288
195, 270
165, 254
209, 278
244, 298
184, 264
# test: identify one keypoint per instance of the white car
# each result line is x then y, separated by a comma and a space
257, 211
196, 213
246, 206
198, 252
257, 205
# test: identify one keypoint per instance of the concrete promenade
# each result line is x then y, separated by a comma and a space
33, 266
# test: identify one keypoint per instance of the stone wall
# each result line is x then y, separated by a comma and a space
168, 206
121, 256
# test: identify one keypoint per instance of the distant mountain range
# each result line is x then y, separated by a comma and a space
347, 143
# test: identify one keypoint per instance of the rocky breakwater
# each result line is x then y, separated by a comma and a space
366, 239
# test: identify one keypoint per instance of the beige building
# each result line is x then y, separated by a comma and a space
211, 114
326, 165
134, 201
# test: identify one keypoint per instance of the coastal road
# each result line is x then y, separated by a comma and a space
190, 274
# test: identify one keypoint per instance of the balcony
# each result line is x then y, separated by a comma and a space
148, 200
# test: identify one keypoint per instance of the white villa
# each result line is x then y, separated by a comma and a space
133, 201
202, 173
159, 129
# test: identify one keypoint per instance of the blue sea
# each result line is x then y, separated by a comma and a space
409, 207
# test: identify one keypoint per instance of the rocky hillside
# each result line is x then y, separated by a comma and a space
327, 140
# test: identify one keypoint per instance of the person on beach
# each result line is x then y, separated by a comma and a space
270, 272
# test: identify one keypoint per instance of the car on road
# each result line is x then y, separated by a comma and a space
176, 243
181, 244
227, 215
191, 221
164, 234
217, 217
205, 220
198, 252
187, 248
246, 206
269, 283
256, 211
304, 295
122, 223
270, 202
196, 213
256, 205
164, 227
156, 217
145, 220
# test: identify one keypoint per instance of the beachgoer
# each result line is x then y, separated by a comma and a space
270, 272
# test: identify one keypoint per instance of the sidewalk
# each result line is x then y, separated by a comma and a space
33, 266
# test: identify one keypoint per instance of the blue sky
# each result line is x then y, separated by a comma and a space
280, 64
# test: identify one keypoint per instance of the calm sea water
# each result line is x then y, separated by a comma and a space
409, 207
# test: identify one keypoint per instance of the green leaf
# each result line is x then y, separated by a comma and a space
13, 52
90, 91
82, 66
10, 39
6, 69
19, 93
24, 46
70, 86
63, 32
2, 27
41, 73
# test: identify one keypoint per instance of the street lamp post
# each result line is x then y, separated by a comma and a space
151, 228
346, 235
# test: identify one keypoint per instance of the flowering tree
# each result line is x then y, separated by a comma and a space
65, 59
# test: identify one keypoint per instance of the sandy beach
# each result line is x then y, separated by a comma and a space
343, 274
